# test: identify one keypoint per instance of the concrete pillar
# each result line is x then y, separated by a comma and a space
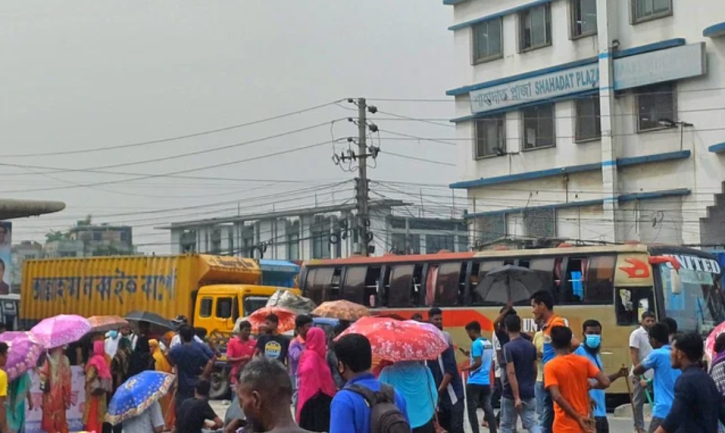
606, 28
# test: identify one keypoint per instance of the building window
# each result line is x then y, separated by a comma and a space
540, 223
655, 103
437, 243
535, 24
644, 10
539, 126
488, 41
583, 18
490, 136
588, 125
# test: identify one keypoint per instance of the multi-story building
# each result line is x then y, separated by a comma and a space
317, 233
90, 240
591, 119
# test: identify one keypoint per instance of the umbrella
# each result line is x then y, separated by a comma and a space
396, 340
286, 318
106, 323
137, 394
61, 330
710, 342
24, 351
159, 325
509, 284
343, 310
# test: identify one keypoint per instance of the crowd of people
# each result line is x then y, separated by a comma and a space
552, 381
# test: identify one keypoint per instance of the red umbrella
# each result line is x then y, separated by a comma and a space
395, 340
710, 342
286, 318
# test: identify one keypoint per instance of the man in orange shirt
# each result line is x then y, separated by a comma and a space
542, 307
566, 377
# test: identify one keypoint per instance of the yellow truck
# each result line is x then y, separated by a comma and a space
213, 291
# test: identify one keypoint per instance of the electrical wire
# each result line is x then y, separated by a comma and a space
178, 137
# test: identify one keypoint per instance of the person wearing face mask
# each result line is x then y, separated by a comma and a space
111, 342
264, 390
592, 342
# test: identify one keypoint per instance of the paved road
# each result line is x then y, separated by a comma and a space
616, 425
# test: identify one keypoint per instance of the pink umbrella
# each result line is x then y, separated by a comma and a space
395, 340
23, 353
61, 330
710, 342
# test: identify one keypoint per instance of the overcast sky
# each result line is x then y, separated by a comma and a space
80, 75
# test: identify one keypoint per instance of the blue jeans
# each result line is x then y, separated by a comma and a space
509, 414
546, 419
539, 392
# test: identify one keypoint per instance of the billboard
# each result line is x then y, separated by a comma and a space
6, 274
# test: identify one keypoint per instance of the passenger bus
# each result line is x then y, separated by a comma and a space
612, 284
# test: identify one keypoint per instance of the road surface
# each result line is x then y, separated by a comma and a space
616, 425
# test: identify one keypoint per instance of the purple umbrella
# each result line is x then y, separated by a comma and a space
24, 351
61, 330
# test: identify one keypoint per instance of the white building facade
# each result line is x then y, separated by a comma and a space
317, 233
596, 120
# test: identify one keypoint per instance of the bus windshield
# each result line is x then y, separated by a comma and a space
700, 294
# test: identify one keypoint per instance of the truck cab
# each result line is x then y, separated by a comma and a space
218, 307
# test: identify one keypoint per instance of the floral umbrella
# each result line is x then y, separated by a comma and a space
23, 353
286, 318
107, 323
710, 342
343, 310
137, 394
61, 330
394, 340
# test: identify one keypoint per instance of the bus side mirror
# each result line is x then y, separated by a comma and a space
676, 282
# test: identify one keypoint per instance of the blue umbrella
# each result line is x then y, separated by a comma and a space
137, 394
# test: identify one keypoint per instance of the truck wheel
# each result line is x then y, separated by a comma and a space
220, 386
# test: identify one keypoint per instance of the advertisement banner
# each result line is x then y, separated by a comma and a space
74, 415
6, 274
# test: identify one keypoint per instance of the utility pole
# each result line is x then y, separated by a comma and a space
360, 156
362, 181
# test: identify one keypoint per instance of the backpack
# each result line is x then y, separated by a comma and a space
385, 417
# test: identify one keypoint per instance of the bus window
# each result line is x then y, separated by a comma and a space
372, 279
631, 303
544, 268
354, 289
401, 285
321, 281
448, 284
481, 269
335, 286
590, 280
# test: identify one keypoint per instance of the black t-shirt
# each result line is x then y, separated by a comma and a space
274, 347
192, 414
523, 354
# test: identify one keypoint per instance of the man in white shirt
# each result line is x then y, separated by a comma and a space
180, 321
639, 348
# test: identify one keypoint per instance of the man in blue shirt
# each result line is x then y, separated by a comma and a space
591, 345
190, 361
698, 405
349, 412
478, 388
519, 379
664, 375
450, 390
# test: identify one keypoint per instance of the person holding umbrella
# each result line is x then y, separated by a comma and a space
414, 380
55, 382
98, 374
135, 406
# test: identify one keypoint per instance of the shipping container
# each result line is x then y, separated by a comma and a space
165, 285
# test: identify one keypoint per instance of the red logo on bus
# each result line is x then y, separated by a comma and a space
639, 269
